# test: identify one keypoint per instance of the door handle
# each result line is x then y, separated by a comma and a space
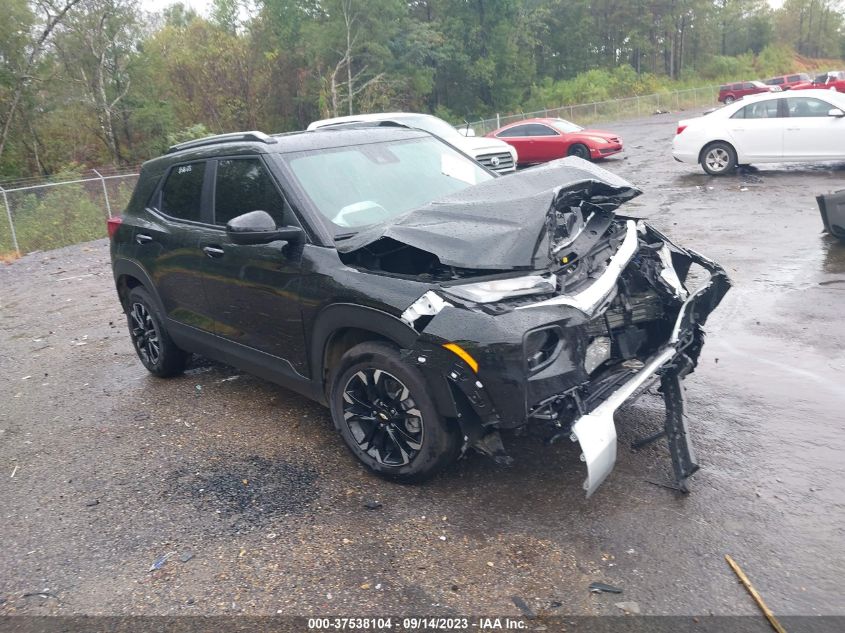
143, 238
793, 129
213, 251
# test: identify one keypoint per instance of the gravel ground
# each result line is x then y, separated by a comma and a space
105, 469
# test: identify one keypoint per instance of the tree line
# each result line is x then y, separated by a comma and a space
106, 82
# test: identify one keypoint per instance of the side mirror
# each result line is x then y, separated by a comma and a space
837, 112
258, 227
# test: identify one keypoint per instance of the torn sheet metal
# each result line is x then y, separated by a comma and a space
429, 304
588, 300
503, 223
669, 275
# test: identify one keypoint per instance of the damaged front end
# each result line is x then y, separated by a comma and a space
557, 322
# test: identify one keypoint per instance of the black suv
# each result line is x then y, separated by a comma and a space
429, 302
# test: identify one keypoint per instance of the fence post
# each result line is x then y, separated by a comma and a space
638, 106
105, 191
498, 122
11, 224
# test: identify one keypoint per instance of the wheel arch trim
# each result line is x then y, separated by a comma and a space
717, 140
128, 268
341, 316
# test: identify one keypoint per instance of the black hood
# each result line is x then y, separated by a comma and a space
505, 223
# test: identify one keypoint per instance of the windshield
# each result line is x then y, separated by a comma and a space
430, 124
565, 126
362, 185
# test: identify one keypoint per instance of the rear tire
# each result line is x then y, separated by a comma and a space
157, 352
729, 100
381, 407
718, 158
580, 150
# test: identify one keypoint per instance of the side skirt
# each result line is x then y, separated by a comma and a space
276, 370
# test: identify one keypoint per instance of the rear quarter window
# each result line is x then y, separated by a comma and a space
181, 195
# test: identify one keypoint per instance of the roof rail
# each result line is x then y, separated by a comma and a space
254, 135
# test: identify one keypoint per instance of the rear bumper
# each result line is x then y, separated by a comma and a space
685, 156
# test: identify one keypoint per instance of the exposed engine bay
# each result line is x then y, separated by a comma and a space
567, 309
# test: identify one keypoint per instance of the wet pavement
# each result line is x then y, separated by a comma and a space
105, 469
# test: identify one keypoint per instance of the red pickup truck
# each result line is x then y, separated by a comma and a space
833, 80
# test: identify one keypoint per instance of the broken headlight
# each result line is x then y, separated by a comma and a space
498, 289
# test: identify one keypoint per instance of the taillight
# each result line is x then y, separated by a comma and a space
680, 129
113, 224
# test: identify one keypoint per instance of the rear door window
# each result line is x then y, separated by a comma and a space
517, 130
793, 78
181, 195
244, 185
537, 129
760, 110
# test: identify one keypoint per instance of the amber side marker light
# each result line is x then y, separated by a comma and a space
463, 354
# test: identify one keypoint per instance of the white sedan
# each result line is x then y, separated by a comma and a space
806, 125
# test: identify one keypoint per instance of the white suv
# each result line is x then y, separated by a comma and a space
492, 153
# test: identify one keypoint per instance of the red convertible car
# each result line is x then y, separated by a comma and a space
542, 140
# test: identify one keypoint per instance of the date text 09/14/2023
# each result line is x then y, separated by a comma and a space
416, 624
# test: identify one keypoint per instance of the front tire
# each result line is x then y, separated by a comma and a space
381, 407
157, 352
580, 150
718, 158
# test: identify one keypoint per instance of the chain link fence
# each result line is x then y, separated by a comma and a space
45, 214
42, 214
613, 110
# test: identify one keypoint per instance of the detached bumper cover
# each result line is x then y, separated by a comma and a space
832, 209
596, 430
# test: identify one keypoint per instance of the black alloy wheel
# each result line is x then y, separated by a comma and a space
382, 407
382, 417
158, 353
144, 335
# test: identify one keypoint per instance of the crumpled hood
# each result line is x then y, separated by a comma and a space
501, 224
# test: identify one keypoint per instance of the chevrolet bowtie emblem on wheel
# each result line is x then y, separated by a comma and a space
494, 161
